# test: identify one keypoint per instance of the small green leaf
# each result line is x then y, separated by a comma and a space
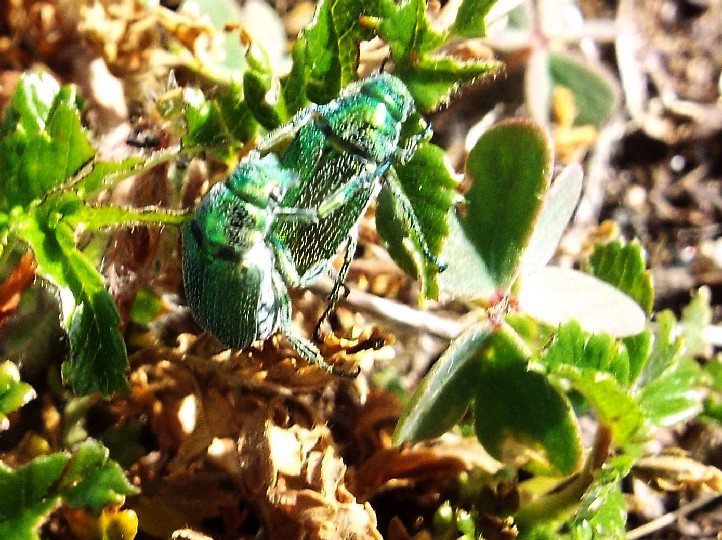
26, 497
467, 276
332, 45
556, 295
695, 318
433, 80
204, 123
98, 359
597, 352
13, 392
624, 267
98, 217
639, 348
93, 481
666, 349
444, 394
674, 396
603, 511
31, 103
38, 161
430, 187
509, 168
713, 402
294, 86
236, 114
516, 407
409, 33
595, 92
613, 406
262, 90
146, 307
558, 209
469, 22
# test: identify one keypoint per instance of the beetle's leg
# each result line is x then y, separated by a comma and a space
304, 215
304, 347
348, 189
287, 131
409, 219
284, 261
339, 282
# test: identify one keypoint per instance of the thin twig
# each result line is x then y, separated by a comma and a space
670, 518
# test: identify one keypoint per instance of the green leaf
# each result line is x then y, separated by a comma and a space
509, 168
469, 22
695, 318
98, 360
236, 114
38, 161
98, 217
666, 348
13, 392
595, 92
517, 408
558, 209
409, 33
431, 188
262, 90
204, 123
30, 104
332, 45
713, 402
444, 394
26, 497
467, 276
674, 396
603, 511
93, 481
433, 80
556, 295
613, 406
599, 352
294, 86
624, 266
639, 348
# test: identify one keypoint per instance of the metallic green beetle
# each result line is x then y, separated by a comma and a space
235, 270
343, 153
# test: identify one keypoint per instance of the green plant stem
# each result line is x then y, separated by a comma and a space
98, 217
562, 502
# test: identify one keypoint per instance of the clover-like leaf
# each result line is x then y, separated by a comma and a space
556, 295
517, 408
444, 394
509, 168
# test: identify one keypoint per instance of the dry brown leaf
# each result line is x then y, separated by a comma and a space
679, 472
17, 282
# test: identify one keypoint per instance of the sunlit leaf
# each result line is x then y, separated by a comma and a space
556, 295
517, 408
442, 397
558, 208
624, 266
